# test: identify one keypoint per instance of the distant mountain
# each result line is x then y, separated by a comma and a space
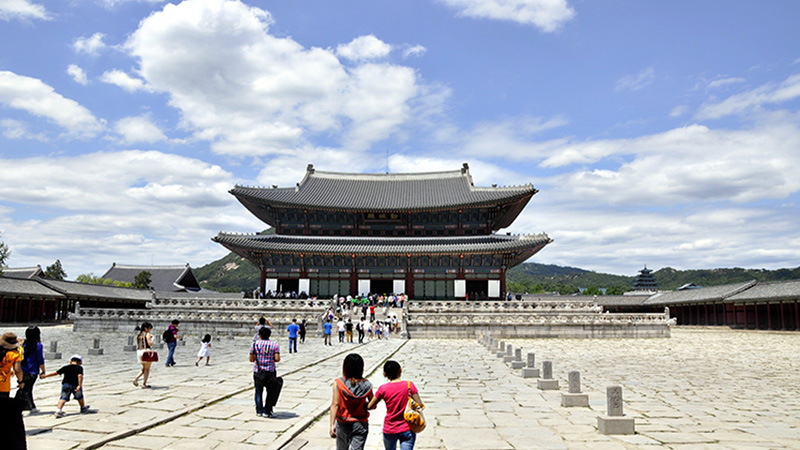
235, 274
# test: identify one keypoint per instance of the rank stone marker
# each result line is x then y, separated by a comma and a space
509, 356
614, 422
574, 397
517, 363
96, 350
531, 371
131, 347
547, 383
53, 353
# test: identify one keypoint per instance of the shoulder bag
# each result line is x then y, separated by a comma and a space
413, 414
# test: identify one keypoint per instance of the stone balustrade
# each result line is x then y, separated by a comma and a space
237, 303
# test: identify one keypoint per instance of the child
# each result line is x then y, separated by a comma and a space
205, 344
71, 384
395, 393
349, 413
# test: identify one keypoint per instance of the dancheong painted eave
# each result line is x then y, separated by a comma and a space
524, 246
385, 192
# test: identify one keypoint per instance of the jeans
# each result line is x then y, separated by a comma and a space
351, 436
69, 389
171, 346
261, 379
29, 379
292, 344
406, 438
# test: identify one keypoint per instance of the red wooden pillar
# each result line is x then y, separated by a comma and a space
769, 317
783, 317
705, 313
503, 283
744, 307
263, 281
796, 315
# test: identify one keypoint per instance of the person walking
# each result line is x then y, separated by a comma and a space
71, 385
348, 327
172, 343
396, 393
303, 328
204, 352
351, 394
293, 330
32, 365
327, 330
144, 341
340, 326
360, 328
10, 362
264, 354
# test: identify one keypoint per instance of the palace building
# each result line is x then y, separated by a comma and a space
428, 235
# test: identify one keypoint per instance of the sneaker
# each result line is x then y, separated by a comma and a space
60, 414
34, 410
260, 414
85, 409
269, 415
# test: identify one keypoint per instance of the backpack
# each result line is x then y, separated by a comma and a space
351, 408
167, 336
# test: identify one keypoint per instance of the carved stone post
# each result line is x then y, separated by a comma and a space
547, 383
574, 397
96, 350
531, 371
517, 363
615, 422
131, 347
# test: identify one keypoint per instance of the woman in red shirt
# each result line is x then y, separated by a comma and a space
395, 393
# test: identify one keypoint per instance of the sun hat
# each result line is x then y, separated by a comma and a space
9, 341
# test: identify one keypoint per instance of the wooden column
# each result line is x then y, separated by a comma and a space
503, 283
744, 306
263, 281
769, 317
797, 315
783, 317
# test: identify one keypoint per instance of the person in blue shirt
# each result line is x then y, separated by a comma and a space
327, 328
32, 365
293, 329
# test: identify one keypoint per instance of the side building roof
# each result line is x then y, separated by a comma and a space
23, 272
24, 288
162, 278
76, 290
768, 291
384, 192
699, 295
244, 244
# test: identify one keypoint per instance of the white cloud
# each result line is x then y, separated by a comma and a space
77, 74
251, 93
766, 94
113, 3
636, 81
547, 15
91, 45
138, 129
146, 202
725, 81
123, 80
679, 111
37, 98
22, 10
416, 51
14, 129
364, 48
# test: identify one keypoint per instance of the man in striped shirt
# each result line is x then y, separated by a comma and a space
264, 354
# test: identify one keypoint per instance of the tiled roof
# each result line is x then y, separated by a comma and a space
23, 272
162, 278
769, 291
383, 192
494, 243
25, 288
99, 291
699, 295
621, 300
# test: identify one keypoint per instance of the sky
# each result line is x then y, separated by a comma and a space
664, 134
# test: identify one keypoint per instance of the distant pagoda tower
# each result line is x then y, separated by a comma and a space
645, 281
429, 235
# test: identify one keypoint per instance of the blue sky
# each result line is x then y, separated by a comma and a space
659, 133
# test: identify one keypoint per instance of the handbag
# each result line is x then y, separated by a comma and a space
150, 356
413, 414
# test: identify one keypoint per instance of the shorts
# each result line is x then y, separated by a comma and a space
69, 389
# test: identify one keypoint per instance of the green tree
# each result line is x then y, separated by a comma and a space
90, 278
4, 254
592, 290
616, 290
142, 280
55, 271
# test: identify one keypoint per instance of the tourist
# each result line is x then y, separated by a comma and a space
348, 327
172, 343
264, 354
303, 328
327, 330
378, 330
262, 322
293, 329
372, 313
360, 328
351, 394
144, 341
371, 330
341, 328
32, 365
204, 351
396, 393
71, 384
10, 361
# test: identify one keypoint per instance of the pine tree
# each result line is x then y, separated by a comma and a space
55, 271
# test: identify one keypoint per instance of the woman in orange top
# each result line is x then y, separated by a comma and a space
349, 414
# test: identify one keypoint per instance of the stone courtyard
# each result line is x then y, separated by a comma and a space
704, 388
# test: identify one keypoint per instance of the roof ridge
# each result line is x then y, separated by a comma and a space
136, 266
